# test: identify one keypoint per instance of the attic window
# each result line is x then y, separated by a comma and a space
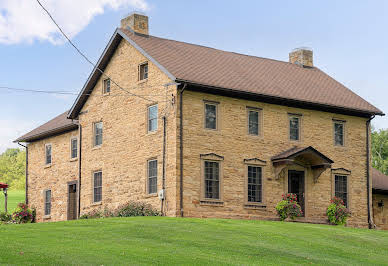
143, 71
106, 88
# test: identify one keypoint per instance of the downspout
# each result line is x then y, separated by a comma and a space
181, 147
26, 147
164, 164
79, 167
370, 222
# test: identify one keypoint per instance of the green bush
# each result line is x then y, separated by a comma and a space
22, 214
337, 213
126, 210
5, 217
288, 207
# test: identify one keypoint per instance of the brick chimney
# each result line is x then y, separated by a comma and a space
136, 22
302, 56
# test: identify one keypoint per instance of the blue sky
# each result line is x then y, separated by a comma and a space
349, 39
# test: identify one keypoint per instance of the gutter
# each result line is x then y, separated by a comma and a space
26, 187
164, 165
370, 221
181, 147
79, 167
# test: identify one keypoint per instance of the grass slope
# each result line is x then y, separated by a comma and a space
14, 197
160, 240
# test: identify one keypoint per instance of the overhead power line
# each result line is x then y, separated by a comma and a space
39, 91
86, 58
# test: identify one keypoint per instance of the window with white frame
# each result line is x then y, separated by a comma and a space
97, 186
211, 115
253, 121
47, 202
152, 118
48, 151
254, 183
143, 71
74, 148
97, 139
339, 133
212, 179
152, 176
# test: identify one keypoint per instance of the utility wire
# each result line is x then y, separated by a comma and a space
86, 58
40, 91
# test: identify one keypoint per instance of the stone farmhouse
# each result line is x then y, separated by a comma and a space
200, 132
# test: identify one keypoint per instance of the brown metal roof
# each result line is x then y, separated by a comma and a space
57, 125
208, 66
296, 151
379, 180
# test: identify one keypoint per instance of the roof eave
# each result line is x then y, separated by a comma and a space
356, 112
48, 133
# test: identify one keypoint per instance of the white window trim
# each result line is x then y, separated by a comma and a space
148, 118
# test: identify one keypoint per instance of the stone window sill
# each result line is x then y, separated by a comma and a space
217, 203
96, 203
47, 165
153, 195
254, 206
74, 159
46, 217
96, 147
142, 81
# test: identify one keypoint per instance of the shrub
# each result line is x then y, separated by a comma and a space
5, 217
136, 209
288, 207
22, 214
126, 210
337, 213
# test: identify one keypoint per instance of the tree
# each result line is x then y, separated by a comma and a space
12, 168
380, 150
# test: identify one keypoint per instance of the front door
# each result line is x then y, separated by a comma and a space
72, 202
296, 186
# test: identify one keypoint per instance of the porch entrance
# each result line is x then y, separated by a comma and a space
72, 202
296, 186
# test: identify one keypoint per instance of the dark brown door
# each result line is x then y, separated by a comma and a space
72, 203
296, 186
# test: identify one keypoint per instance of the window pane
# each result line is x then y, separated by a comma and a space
47, 205
294, 128
339, 134
211, 116
74, 149
107, 86
152, 176
48, 154
98, 133
212, 180
253, 118
341, 190
254, 184
153, 118
97, 191
143, 71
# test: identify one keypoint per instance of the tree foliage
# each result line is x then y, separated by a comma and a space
380, 150
12, 168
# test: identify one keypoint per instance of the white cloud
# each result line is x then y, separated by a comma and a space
25, 20
11, 130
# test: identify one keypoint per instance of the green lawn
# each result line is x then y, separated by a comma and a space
14, 197
160, 240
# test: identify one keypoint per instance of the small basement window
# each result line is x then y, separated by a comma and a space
143, 71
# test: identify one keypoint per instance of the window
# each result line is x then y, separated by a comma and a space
97, 186
74, 148
210, 116
294, 126
339, 133
253, 122
212, 180
47, 202
153, 118
254, 184
48, 153
143, 71
106, 86
341, 188
152, 176
98, 133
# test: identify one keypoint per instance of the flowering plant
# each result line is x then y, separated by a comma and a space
288, 207
337, 213
22, 214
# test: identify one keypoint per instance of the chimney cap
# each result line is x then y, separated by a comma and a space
302, 48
